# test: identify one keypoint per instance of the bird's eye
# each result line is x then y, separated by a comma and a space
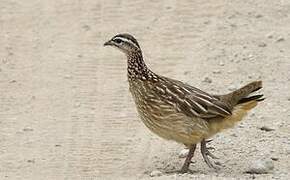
118, 41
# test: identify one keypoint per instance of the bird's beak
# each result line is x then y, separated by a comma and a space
108, 43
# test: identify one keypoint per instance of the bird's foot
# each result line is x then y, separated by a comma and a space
206, 153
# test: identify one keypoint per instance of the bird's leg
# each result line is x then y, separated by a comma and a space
205, 153
187, 161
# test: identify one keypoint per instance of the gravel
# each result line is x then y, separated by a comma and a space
261, 166
266, 128
155, 173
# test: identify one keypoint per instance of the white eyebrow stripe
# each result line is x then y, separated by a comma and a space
126, 40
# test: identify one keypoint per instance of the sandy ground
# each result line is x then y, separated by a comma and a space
65, 108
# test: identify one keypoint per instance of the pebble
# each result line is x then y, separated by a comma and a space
219, 72
31, 161
266, 128
230, 71
262, 44
221, 63
77, 104
187, 72
86, 27
251, 57
261, 166
207, 80
274, 158
67, 76
280, 39
234, 135
270, 35
183, 153
155, 173
27, 129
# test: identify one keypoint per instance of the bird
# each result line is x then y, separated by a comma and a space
177, 111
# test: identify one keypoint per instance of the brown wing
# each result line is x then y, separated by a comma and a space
192, 101
206, 107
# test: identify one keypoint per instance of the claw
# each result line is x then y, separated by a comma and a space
208, 140
211, 155
210, 148
205, 154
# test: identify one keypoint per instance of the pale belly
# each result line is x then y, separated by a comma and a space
171, 125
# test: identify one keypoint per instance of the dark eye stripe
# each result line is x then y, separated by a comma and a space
124, 39
129, 38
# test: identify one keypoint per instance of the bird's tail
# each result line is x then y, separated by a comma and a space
243, 95
241, 101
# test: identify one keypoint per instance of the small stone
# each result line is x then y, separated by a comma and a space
274, 158
207, 80
27, 129
287, 151
77, 104
233, 25
266, 128
155, 173
262, 44
86, 27
251, 57
221, 63
270, 35
230, 71
67, 76
232, 16
57, 145
234, 135
241, 126
216, 71
280, 39
206, 22
186, 72
259, 16
183, 153
262, 166
31, 161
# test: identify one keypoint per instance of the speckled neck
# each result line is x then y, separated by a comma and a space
137, 68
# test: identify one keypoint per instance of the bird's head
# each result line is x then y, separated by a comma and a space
124, 42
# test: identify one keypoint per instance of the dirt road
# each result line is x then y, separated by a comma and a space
65, 108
